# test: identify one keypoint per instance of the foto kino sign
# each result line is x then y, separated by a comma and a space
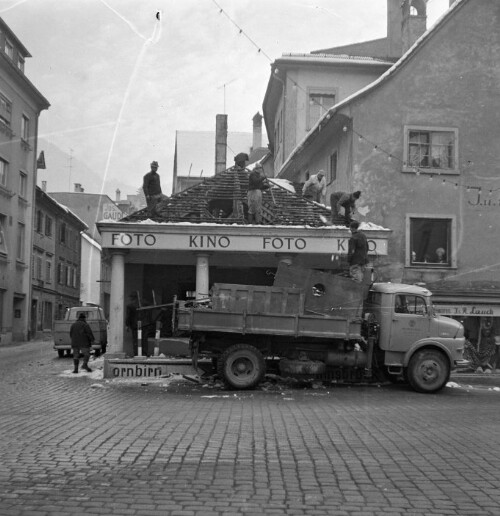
249, 243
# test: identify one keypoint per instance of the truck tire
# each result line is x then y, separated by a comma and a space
428, 371
241, 366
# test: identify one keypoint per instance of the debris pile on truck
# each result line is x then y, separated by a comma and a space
316, 324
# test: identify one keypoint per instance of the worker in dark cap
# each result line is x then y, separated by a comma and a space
81, 341
241, 159
152, 188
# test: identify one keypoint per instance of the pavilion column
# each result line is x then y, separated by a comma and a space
202, 276
117, 305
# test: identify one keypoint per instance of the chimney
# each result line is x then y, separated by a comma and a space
414, 21
257, 131
394, 19
118, 195
44, 186
220, 143
78, 188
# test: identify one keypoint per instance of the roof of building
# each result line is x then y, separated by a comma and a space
325, 58
221, 199
387, 75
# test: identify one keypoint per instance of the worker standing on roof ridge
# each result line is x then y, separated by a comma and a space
257, 182
152, 188
314, 188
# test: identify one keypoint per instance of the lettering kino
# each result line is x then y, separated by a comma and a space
268, 243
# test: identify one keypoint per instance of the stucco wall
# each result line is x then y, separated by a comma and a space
451, 82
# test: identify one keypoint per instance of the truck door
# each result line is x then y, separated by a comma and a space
410, 321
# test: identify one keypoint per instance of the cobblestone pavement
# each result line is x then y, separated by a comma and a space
74, 444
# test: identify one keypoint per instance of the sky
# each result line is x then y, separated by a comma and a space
122, 76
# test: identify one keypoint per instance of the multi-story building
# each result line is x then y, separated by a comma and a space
92, 208
20, 106
56, 263
420, 143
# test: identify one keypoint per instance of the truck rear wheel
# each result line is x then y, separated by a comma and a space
241, 366
428, 371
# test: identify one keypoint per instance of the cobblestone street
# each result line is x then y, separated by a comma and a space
77, 444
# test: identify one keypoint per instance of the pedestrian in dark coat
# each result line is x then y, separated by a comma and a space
81, 342
357, 253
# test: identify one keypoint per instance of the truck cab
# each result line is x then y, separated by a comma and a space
416, 342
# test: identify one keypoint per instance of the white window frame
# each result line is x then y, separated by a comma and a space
407, 167
20, 63
25, 127
23, 184
21, 244
5, 107
325, 92
9, 48
3, 240
4, 172
48, 271
453, 241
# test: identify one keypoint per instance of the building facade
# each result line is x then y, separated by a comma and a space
92, 208
56, 264
20, 106
420, 143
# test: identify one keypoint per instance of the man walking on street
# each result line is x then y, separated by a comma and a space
81, 341
357, 253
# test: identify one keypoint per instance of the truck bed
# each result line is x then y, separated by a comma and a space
298, 325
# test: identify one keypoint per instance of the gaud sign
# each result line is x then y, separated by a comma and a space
249, 243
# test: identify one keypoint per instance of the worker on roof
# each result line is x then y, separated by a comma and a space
315, 187
257, 182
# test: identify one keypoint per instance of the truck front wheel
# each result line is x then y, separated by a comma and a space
428, 371
241, 366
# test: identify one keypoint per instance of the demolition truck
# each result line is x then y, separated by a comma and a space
314, 324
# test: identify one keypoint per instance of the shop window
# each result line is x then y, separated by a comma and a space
430, 240
319, 104
431, 150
